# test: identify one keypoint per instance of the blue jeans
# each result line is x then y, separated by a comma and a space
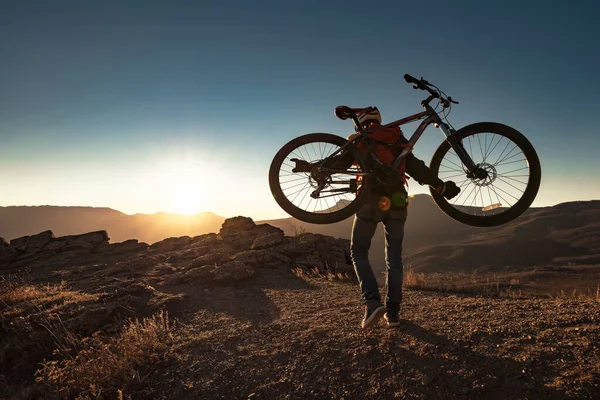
363, 229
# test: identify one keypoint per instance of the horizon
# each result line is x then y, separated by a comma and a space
234, 214
166, 108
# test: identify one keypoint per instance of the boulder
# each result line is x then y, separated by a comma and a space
262, 258
7, 253
78, 246
93, 238
187, 255
128, 246
202, 273
210, 258
38, 241
103, 247
325, 253
240, 233
204, 239
171, 244
19, 243
3, 243
232, 271
235, 225
56, 245
270, 240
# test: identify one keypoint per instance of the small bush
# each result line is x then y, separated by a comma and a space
106, 367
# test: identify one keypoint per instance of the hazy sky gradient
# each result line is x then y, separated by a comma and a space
136, 105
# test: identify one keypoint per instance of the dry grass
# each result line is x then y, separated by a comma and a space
106, 368
299, 230
31, 323
315, 273
496, 284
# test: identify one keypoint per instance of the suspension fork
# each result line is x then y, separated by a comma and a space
461, 152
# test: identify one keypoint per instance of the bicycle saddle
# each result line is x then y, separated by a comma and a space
345, 112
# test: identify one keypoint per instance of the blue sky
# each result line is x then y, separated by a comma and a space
120, 104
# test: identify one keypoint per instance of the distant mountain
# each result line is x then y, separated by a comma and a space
565, 234
17, 221
562, 234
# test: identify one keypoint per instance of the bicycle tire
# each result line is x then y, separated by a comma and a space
315, 217
529, 192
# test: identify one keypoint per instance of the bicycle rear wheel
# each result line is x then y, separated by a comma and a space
332, 191
510, 178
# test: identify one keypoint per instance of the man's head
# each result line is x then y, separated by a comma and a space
369, 119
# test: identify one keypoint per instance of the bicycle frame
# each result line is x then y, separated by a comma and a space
429, 116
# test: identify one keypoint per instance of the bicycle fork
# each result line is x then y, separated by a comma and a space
472, 170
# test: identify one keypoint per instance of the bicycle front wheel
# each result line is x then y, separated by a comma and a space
331, 191
508, 178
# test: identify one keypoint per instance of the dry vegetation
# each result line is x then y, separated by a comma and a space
99, 366
65, 363
581, 283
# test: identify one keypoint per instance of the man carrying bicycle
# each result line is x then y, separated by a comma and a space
387, 205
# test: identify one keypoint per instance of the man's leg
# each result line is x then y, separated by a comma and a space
394, 234
360, 242
362, 233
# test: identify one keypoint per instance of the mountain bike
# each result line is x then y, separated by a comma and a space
496, 168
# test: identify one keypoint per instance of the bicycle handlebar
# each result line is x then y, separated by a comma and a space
411, 79
424, 85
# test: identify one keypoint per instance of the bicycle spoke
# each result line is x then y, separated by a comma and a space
479, 141
521, 169
509, 153
502, 153
505, 192
293, 186
511, 162
492, 150
516, 180
510, 184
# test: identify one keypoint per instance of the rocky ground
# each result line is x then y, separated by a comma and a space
251, 313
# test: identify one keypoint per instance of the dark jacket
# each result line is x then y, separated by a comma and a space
391, 200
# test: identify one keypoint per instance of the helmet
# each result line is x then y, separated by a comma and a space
370, 113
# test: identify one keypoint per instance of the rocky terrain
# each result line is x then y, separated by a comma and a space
249, 312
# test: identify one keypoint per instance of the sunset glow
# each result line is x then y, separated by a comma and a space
187, 196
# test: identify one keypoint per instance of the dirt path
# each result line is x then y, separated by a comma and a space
280, 336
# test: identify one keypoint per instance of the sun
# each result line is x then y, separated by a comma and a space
187, 196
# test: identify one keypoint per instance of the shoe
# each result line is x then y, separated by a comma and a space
392, 318
374, 310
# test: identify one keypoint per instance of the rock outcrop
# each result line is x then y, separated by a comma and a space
239, 251
45, 246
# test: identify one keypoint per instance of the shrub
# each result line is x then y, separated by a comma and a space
107, 367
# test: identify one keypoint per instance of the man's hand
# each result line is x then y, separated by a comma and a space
449, 190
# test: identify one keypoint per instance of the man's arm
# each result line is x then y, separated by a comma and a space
423, 175
421, 172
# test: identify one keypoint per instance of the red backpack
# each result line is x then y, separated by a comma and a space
391, 143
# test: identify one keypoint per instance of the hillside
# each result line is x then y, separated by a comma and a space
252, 313
17, 221
557, 235
567, 233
